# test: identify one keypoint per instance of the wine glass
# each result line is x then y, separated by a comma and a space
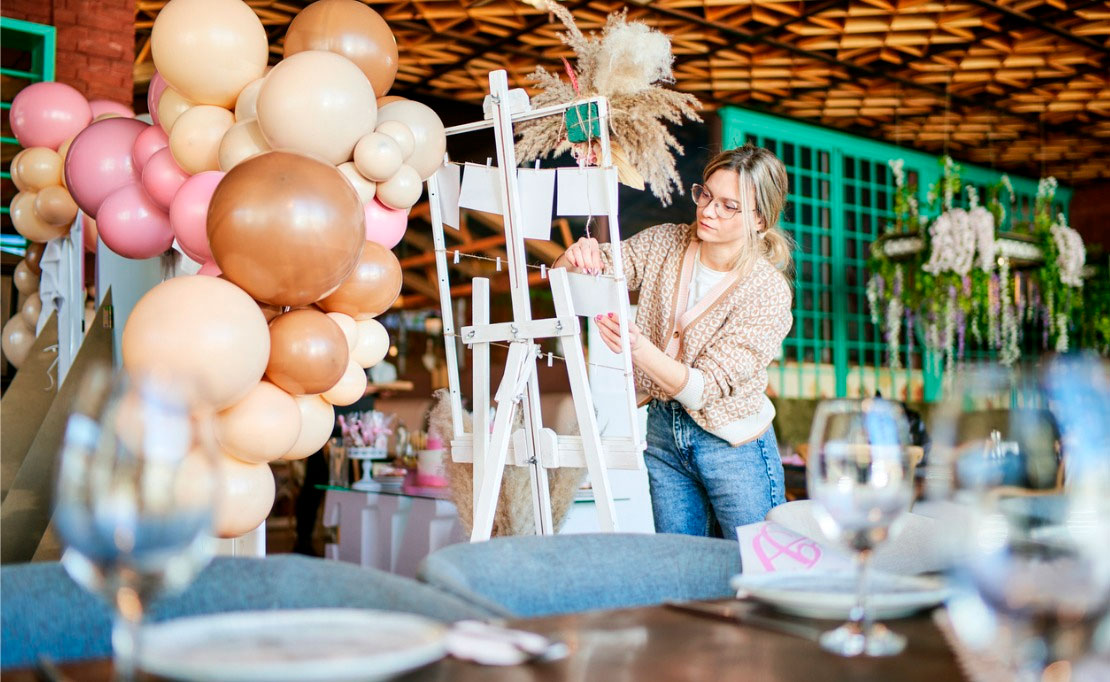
860, 474
135, 497
1020, 459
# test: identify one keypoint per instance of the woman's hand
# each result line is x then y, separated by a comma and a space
583, 256
610, 328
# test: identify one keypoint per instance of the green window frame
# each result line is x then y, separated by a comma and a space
841, 199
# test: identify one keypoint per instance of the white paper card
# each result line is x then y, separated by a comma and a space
481, 189
585, 191
537, 191
447, 180
767, 547
593, 295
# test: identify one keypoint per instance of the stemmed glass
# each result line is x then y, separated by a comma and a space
860, 474
135, 497
1021, 465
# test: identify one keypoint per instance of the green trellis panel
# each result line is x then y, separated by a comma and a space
841, 199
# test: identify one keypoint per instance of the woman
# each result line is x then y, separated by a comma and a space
714, 308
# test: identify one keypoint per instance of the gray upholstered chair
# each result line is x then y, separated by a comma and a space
43, 611
531, 576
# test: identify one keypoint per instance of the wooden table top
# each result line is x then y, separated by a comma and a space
658, 643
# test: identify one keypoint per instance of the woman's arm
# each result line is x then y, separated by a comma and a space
666, 372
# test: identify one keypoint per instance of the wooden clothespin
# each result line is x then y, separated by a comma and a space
543, 271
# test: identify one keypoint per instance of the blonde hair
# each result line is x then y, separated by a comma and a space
762, 171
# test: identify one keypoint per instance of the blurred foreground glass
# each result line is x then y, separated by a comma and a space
1021, 459
135, 498
860, 474
338, 468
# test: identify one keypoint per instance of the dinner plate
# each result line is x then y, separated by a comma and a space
309, 645
832, 595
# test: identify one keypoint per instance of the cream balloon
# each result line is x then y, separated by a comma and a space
171, 105
401, 134
378, 156
350, 388
427, 132
247, 102
39, 167
372, 343
317, 422
261, 427
402, 190
247, 495
16, 340
209, 50
242, 141
31, 309
364, 187
317, 102
195, 138
350, 329
13, 170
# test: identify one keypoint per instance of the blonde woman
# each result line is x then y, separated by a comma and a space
714, 308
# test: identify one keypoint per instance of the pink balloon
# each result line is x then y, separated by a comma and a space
47, 114
162, 177
132, 225
154, 92
189, 214
99, 161
211, 269
107, 106
385, 225
149, 141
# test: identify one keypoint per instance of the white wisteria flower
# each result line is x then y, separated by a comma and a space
1071, 253
953, 243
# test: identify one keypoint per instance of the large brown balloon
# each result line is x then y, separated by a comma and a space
285, 227
371, 288
308, 352
26, 280
34, 256
351, 29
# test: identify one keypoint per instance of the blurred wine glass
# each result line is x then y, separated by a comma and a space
1020, 457
135, 498
860, 474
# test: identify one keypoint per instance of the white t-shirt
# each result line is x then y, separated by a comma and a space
704, 279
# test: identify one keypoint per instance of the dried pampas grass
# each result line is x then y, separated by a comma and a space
626, 63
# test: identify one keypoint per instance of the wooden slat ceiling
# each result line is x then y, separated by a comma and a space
1021, 85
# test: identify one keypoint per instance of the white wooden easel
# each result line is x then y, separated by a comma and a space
534, 446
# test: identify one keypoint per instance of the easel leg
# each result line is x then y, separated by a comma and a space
541, 492
480, 388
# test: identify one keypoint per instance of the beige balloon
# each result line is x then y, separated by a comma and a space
261, 427
171, 105
29, 223
55, 205
372, 343
39, 167
242, 141
350, 388
195, 139
365, 188
247, 102
13, 169
401, 134
317, 102
349, 327
16, 340
31, 309
209, 50
108, 114
197, 484
63, 150
427, 132
26, 281
317, 422
378, 156
402, 190
246, 496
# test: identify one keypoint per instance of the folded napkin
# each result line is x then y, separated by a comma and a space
487, 644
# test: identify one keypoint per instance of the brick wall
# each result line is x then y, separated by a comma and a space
96, 42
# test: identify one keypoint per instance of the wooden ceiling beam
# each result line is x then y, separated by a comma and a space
1034, 22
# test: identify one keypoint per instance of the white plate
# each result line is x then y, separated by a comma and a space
337, 645
832, 595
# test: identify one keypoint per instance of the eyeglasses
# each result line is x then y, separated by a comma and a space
726, 208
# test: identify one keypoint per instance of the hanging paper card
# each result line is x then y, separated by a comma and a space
447, 178
586, 191
537, 190
593, 295
481, 189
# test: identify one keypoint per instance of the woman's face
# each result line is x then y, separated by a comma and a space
721, 220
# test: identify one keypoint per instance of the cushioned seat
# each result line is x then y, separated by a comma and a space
44, 612
537, 576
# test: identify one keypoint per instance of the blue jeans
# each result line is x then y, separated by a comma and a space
702, 485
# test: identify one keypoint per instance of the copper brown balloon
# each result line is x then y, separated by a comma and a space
26, 280
351, 29
34, 256
54, 205
308, 352
285, 227
372, 287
